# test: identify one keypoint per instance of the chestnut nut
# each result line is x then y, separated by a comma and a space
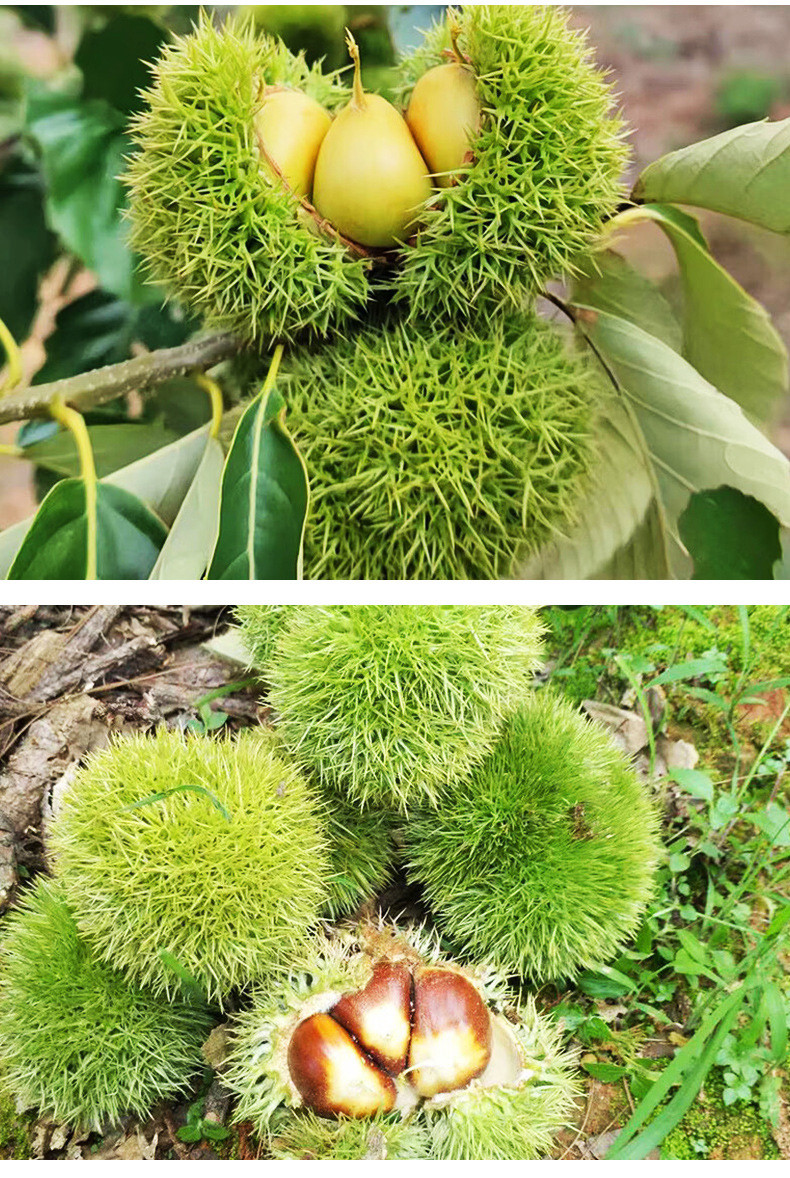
432, 1029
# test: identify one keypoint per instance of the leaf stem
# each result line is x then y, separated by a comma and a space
75, 423
215, 396
14, 356
115, 380
271, 375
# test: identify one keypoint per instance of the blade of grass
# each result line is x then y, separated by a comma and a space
777, 1021
190, 985
686, 1069
177, 789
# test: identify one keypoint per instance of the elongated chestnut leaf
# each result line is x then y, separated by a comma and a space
128, 536
610, 283
619, 533
744, 173
188, 547
160, 480
727, 335
263, 505
698, 439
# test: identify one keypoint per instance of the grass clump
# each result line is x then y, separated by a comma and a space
542, 861
439, 453
76, 1040
547, 166
389, 704
212, 852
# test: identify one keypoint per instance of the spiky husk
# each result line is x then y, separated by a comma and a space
256, 1069
543, 860
362, 853
441, 453
513, 1122
77, 1041
227, 876
303, 1136
211, 222
537, 1102
548, 162
389, 704
261, 626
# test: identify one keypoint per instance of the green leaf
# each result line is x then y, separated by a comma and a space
778, 922
264, 499
782, 566
777, 1021
114, 446
187, 550
27, 247
610, 283
82, 146
91, 331
724, 811
698, 438
190, 986
744, 173
129, 536
620, 530
715, 664
774, 821
730, 536
114, 59
694, 782
727, 335
609, 983
189, 1133
692, 945
161, 481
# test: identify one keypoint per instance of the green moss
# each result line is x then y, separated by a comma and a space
711, 1129
580, 680
14, 1131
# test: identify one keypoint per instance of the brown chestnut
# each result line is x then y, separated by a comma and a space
379, 1017
451, 1032
332, 1075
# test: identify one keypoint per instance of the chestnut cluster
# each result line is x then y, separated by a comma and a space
409, 1034
367, 174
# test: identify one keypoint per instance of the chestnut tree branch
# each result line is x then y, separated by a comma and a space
115, 380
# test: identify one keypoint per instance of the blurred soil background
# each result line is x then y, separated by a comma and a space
683, 73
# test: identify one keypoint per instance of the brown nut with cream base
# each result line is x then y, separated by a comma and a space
402, 1037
